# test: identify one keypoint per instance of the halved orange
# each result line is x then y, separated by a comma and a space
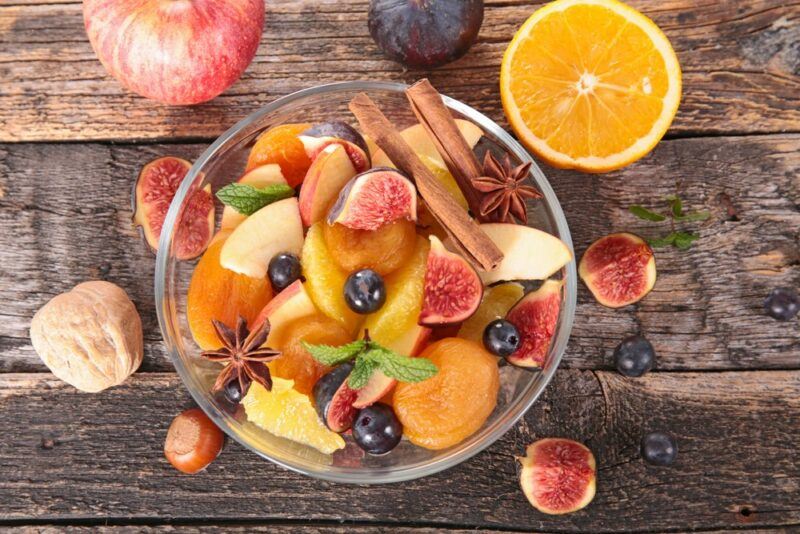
590, 84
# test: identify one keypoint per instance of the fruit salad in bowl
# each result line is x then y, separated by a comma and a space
387, 286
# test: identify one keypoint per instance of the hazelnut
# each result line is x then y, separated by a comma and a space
89, 337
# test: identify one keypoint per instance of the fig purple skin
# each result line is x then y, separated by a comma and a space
337, 130
425, 33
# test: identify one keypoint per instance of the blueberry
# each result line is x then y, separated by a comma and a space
377, 429
326, 387
365, 291
283, 270
501, 337
659, 448
782, 304
634, 356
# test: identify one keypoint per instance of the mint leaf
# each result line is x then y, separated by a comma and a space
247, 199
665, 241
684, 240
694, 217
675, 205
361, 372
328, 355
646, 214
403, 368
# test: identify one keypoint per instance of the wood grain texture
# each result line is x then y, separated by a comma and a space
740, 61
704, 313
72, 456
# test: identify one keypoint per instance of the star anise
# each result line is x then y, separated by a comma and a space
504, 191
244, 354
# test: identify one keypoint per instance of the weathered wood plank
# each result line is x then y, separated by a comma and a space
72, 456
741, 68
704, 313
279, 528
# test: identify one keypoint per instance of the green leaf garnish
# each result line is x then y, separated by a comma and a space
247, 199
328, 355
695, 216
684, 240
665, 241
646, 214
405, 368
361, 372
675, 205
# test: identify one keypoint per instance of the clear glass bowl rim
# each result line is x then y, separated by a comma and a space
514, 411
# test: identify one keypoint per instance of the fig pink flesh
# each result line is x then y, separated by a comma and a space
559, 474
535, 317
615, 268
341, 412
452, 289
374, 199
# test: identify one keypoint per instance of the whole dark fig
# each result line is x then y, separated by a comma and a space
425, 33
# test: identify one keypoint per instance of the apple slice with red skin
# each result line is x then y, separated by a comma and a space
373, 199
558, 476
535, 316
619, 269
528, 253
320, 136
290, 304
326, 177
453, 289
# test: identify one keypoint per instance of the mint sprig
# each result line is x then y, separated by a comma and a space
681, 240
247, 199
369, 356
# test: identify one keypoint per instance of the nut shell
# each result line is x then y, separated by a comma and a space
89, 337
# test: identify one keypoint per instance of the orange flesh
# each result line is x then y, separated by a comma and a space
383, 250
281, 145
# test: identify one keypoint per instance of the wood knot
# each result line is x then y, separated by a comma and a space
745, 514
48, 444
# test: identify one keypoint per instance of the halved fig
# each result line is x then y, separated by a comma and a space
452, 290
319, 136
535, 316
334, 398
153, 192
558, 475
373, 199
619, 269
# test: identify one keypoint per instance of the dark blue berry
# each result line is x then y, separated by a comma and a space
283, 270
501, 337
377, 429
782, 304
634, 356
365, 291
659, 448
326, 388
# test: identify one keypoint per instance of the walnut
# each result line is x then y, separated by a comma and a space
90, 337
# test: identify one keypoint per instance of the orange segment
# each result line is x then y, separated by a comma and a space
281, 145
590, 84
217, 293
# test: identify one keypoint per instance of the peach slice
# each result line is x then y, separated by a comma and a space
421, 143
259, 177
290, 304
326, 177
256, 240
528, 253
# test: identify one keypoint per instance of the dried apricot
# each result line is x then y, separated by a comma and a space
383, 250
218, 293
282, 146
295, 362
448, 408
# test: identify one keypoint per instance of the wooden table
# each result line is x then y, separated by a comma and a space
727, 382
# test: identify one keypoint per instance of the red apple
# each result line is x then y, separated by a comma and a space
175, 51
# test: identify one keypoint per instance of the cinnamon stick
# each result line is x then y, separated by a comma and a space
467, 235
428, 106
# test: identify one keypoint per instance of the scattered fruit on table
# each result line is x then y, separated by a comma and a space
425, 34
295, 362
783, 303
383, 250
193, 441
375, 198
528, 253
619, 269
501, 337
287, 413
634, 357
452, 405
597, 101
260, 177
219, 293
154, 190
326, 177
320, 136
325, 280
90, 337
497, 300
364, 291
558, 475
376, 429
283, 270
175, 52
334, 399
452, 290
281, 145
659, 448
535, 316
290, 304
252, 244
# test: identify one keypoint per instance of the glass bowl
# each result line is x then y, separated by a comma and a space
223, 162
